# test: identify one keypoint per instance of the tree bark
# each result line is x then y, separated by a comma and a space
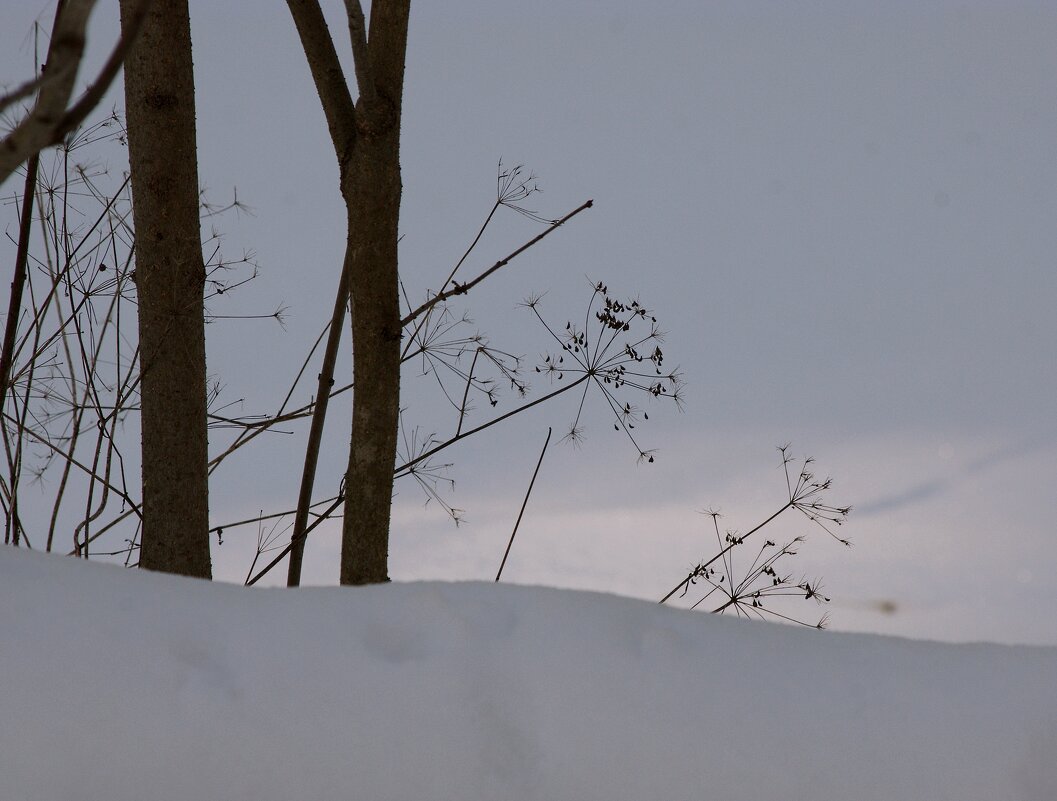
374, 207
366, 140
371, 188
170, 280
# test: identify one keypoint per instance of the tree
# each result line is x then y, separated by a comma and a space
170, 280
616, 357
366, 139
170, 276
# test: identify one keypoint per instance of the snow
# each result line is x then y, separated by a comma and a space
121, 684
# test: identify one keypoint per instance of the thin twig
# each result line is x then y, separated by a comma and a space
462, 289
489, 424
524, 503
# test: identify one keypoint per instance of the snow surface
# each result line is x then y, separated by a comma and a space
120, 685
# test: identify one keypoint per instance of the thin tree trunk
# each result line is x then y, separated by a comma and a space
371, 188
366, 140
170, 279
374, 208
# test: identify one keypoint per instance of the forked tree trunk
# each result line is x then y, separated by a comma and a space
366, 140
170, 279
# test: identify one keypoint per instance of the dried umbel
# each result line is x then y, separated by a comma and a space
617, 353
732, 586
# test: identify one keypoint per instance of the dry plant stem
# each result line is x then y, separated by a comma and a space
112, 524
325, 515
260, 549
67, 390
14, 529
337, 501
57, 280
90, 390
127, 387
86, 398
18, 282
258, 518
101, 436
12, 524
254, 428
750, 593
315, 434
18, 461
399, 473
420, 323
466, 391
788, 505
37, 332
462, 289
524, 503
91, 515
260, 426
70, 460
432, 451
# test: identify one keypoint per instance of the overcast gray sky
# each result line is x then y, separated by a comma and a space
842, 213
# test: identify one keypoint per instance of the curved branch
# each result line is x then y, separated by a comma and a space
37, 130
98, 88
50, 120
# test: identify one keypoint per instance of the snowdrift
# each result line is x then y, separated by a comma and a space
121, 686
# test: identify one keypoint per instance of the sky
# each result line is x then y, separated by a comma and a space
467, 690
841, 213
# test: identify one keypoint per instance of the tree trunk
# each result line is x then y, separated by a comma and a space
366, 140
170, 280
374, 206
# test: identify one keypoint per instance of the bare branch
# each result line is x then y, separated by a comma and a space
37, 130
25, 90
315, 434
95, 92
387, 46
462, 289
451, 441
524, 503
327, 74
360, 57
49, 120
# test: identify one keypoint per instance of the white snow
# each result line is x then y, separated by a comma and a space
122, 685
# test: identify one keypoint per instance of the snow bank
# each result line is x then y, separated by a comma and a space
121, 685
